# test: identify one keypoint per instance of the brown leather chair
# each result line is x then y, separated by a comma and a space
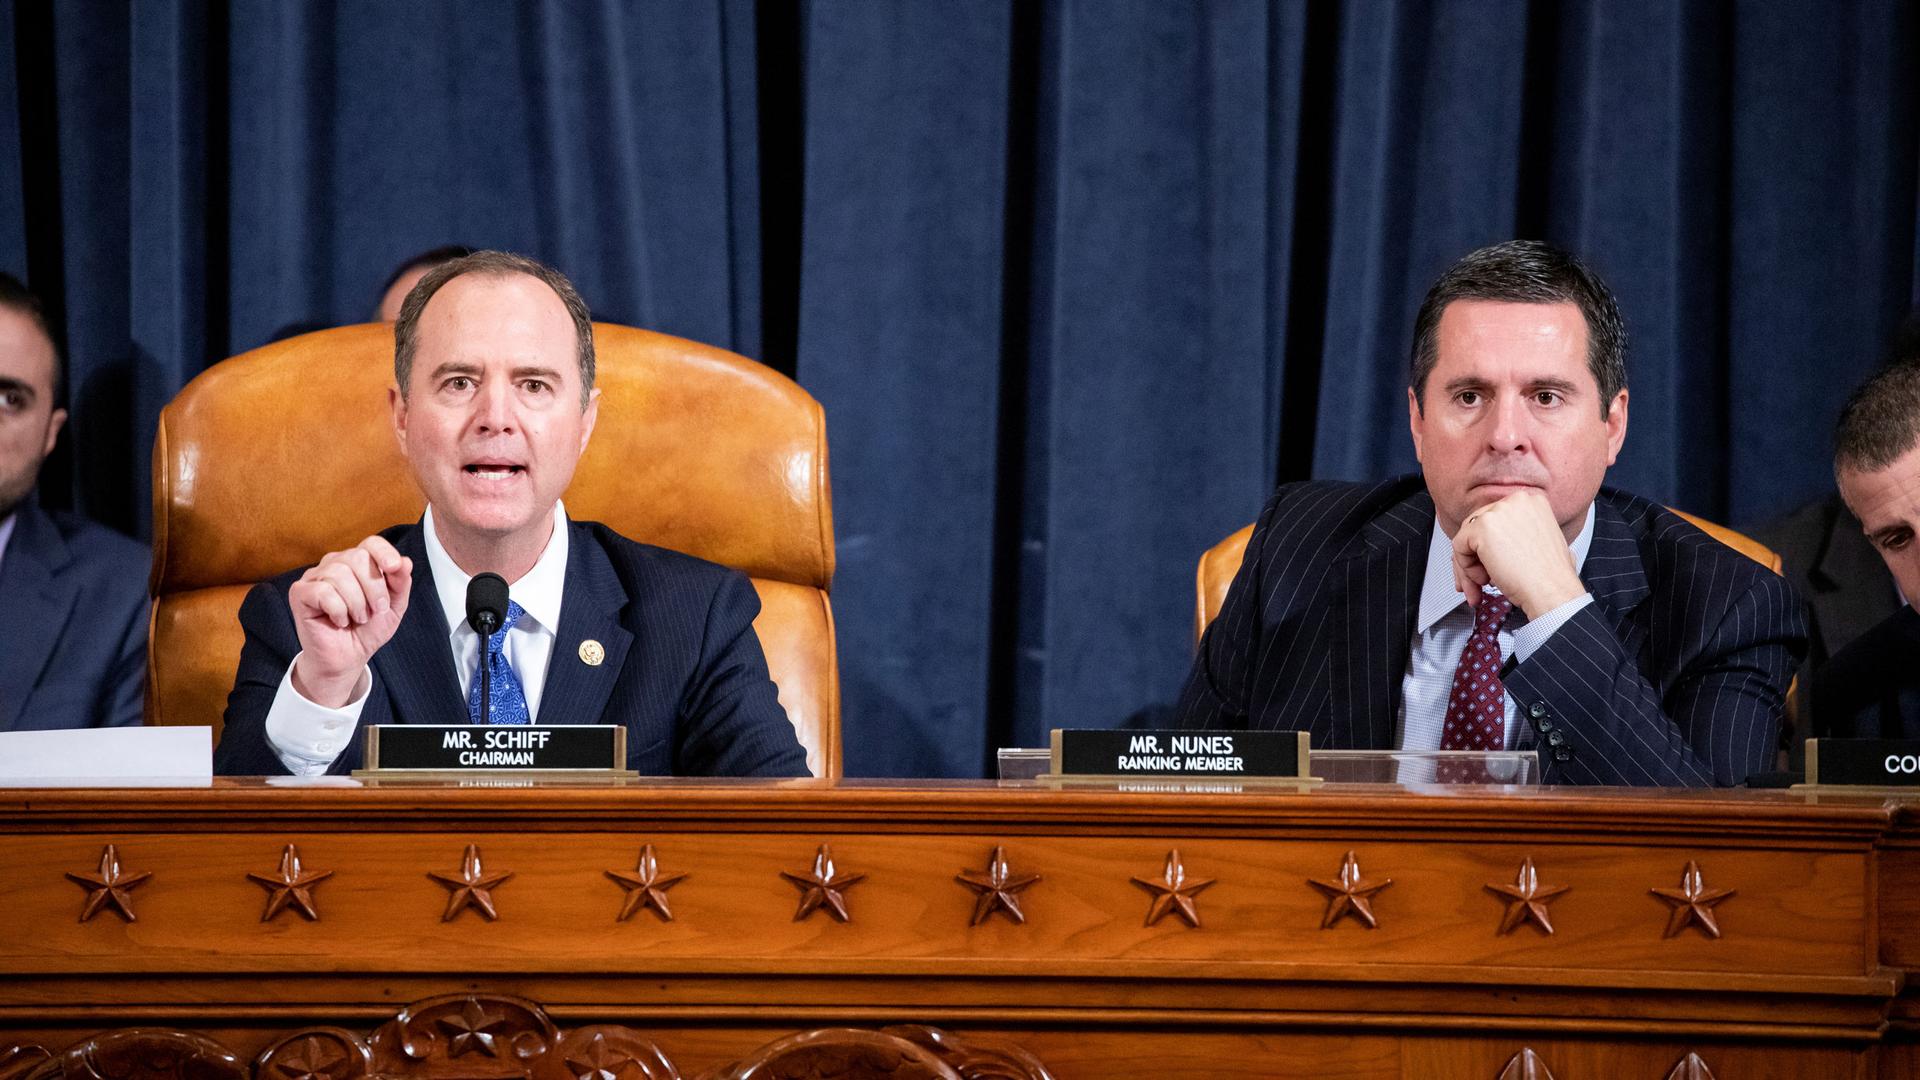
271, 459
1223, 559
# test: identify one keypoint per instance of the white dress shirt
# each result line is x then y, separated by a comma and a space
308, 737
1440, 634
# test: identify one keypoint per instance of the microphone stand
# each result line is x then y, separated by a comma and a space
485, 619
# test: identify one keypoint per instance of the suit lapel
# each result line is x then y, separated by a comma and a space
577, 691
417, 664
33, 597
1614, 572
1383, 571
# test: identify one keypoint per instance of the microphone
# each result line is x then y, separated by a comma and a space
486, 609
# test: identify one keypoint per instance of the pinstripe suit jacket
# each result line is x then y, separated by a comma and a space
683, 668
1675, 675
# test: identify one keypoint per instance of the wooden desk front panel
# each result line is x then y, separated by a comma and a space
1796, 969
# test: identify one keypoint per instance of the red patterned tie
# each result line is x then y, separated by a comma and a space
1476, 710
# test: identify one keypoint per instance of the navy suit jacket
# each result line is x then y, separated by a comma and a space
73, 649
1871, 688
1675, 675
683, 669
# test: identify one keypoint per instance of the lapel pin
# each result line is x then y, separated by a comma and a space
592, 652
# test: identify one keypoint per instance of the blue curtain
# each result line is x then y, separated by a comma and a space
1078, 281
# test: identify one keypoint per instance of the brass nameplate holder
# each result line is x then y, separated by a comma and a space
461, 751
1199, 755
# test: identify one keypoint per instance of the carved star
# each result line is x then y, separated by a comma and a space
824, 888
291, 887
998, 889
109, 887
1690, 1067
1174, 892
314, 1060
1527, 899
469, 886
1525, 1065
473, 1029
1692, 902
1350, 895
599, 1062
646, 887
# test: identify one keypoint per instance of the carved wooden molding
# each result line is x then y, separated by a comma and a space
1350, 894
646, 886
825, 887
110, 887
1174, 892
19, 1059
143, 1054
997, 888
1690, 1067
1526, 1065
512, 1038
1527, 899
1692, 903
470, 886
291, 886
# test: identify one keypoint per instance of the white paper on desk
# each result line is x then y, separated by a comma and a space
131, 756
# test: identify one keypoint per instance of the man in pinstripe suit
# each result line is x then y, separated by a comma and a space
493, 404
1503, 598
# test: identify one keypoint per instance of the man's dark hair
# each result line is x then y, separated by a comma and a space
15, 296
1880, 422
426, 260
406, 329
1527, 272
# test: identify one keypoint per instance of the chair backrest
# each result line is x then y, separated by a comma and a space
271, 459
1223, 559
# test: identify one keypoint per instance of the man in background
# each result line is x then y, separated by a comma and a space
73, 645
1836, 570
1871, 687
408, 274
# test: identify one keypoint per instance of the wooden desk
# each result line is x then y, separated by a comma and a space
1805, 977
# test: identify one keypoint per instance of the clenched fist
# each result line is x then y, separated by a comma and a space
344, 608
1516, 545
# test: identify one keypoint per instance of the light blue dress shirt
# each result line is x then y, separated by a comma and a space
1440, 633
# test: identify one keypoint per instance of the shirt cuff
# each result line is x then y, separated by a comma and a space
308, 737
1528, 639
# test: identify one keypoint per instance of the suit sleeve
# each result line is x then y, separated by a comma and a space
1599, 720
732, 723
271, 645
123, 691
1218, 688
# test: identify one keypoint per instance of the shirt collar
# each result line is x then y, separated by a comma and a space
538, 592
1438, 597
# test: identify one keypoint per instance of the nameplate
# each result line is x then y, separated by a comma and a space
1864, 762
467, 748
1217, 754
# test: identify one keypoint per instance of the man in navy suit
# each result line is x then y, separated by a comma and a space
493, 404
1503, 598
74, 650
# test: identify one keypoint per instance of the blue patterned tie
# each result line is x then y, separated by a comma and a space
507, 699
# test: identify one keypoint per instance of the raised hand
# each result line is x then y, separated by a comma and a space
344, 609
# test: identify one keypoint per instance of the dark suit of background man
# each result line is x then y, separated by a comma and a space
493, 404
73, 595
1633, 648
1835, 568
1871, 688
